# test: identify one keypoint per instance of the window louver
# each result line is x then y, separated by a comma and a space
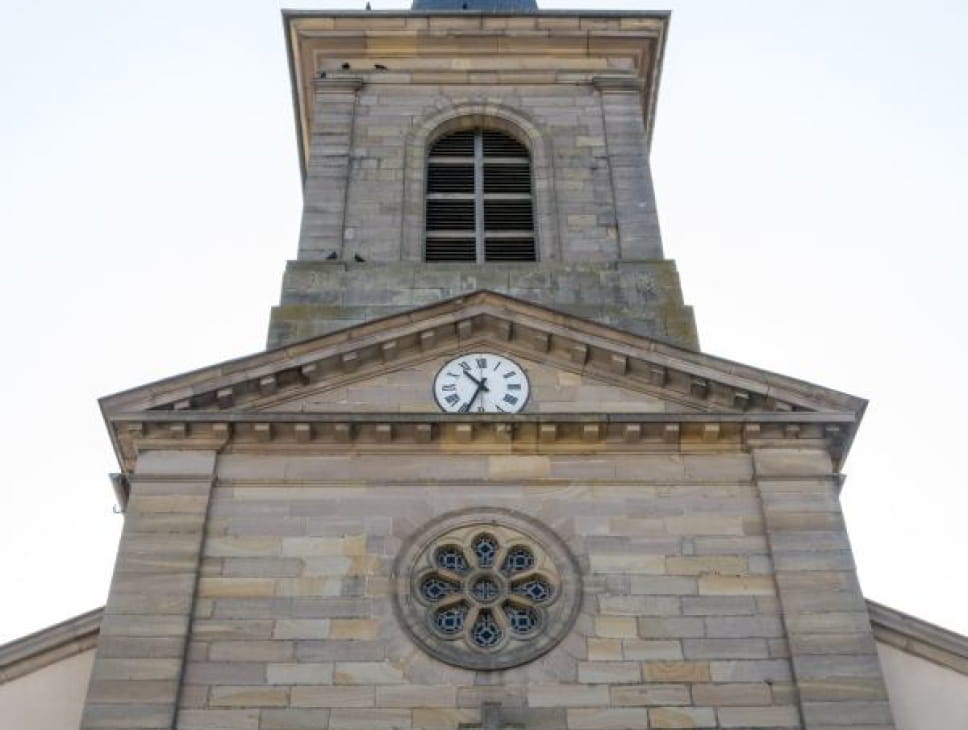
497, 144
479, 204
507, 215
460, 144
509, 249
507, 178
454, 215
450, 178
445, 249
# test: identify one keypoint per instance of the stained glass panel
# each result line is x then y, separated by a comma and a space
451, 620
535, 589
522, 619
518, 559
434, 588
485, 590
485, 547
485, 632
451, 557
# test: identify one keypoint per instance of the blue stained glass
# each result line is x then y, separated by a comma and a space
485, 632
535, 589
479, 578
434, 588
518, 559
522, 619
485, 547
451, 620
451, 557
485, 590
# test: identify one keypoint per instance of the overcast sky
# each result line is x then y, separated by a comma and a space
811, 165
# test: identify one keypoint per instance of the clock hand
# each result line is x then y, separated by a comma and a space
467, 406
481, 385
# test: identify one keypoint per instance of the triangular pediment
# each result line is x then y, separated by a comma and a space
552, 343
406, 387
384, 369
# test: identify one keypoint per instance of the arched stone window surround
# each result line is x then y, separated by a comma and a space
478, 115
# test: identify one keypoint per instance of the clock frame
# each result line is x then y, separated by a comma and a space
481, 382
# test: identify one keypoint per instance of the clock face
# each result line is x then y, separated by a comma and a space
481, 382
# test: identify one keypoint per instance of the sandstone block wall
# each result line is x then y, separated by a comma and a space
640, 297
364, 188
599, 247
142, 646
681, 623
252, 591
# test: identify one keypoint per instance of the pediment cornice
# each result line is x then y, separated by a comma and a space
692, 378
721, 394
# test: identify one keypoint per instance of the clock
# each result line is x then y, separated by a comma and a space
481, 382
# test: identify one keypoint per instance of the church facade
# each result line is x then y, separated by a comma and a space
482, 476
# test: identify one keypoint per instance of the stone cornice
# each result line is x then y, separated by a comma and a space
656, 15
53, 644
688, 377
728, 397
617, 83
341, 83
360, 37
799, 417
920, 638
414, 433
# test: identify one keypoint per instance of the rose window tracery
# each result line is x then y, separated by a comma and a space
487, 593
462, 586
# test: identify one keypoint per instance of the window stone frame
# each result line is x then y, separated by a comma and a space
558, 617
479, 115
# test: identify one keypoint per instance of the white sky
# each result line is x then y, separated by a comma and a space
811, 163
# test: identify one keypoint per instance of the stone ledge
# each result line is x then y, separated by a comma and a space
642, 297
53, 644
428, 433
918, 637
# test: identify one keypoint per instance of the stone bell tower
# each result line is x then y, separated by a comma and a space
482, 477
566, 100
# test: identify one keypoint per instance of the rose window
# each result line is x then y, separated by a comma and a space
467, 596
487, 594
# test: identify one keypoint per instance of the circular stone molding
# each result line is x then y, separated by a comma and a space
486, 588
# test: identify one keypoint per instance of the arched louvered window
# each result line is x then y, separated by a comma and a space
479, 205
